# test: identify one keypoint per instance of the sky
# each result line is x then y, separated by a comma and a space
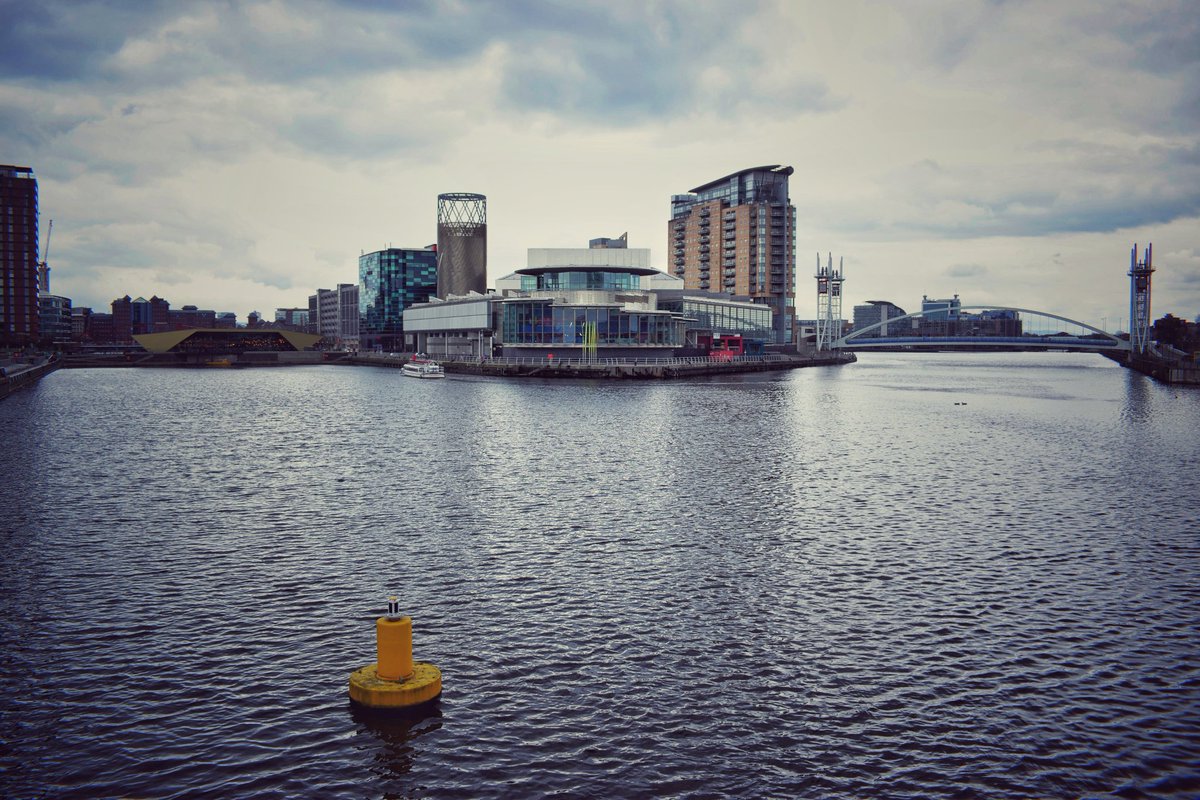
238, 155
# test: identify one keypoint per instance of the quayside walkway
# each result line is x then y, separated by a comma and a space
615, 368
1163, 363
15, 375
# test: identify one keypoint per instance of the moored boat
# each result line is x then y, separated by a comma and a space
422, 368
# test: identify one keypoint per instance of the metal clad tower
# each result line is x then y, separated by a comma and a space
461, 244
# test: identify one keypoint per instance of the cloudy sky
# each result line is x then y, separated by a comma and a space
237, 155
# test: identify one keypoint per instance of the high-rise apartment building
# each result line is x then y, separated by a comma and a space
738, 235
390, 281
19, 310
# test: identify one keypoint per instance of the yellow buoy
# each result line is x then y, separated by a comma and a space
395, 680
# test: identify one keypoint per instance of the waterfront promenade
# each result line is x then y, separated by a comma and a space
598, 368
620, 368
16, 375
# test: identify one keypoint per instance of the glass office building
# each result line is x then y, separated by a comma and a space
542, 322
390, 281
572, 305
719, 316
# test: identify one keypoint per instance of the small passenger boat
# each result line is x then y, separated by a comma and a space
422, 368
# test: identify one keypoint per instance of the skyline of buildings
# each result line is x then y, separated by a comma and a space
733, 236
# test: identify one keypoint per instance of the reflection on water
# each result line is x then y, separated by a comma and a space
396, 732
934, 575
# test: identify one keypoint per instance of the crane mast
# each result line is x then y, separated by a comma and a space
43, 265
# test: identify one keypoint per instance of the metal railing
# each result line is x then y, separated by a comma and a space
534, 361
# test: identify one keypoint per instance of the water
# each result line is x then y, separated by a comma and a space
923, 575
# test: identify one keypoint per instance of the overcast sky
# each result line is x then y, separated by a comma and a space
237, 155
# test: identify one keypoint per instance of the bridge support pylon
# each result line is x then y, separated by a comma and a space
829, 303
1139, 298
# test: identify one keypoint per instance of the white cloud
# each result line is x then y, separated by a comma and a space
1003, 150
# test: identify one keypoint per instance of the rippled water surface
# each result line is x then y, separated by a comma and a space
915, 576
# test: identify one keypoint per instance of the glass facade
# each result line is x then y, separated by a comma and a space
596, 279
538, 321
390, 281
752, 322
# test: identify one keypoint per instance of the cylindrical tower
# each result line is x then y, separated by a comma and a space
461, 244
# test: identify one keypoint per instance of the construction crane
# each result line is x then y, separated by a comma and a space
43, 265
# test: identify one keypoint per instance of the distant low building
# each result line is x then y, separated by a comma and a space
81, 318
133, 317
940, 309
189, 317
292, 318
337, 318
54, 319
874, 312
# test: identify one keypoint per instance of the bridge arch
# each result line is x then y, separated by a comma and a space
1113, 342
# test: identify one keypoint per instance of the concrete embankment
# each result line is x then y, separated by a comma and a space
1175, 371
19, 376
200, 360
649, 369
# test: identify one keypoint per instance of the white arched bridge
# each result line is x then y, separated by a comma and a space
883, 335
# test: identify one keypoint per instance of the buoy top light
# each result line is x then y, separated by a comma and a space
393, 611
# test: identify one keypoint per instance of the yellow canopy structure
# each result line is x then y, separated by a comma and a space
226, 340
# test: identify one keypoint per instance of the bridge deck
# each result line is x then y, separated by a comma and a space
1013, 342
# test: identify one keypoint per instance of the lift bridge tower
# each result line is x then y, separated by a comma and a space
829, 303
1139, 298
